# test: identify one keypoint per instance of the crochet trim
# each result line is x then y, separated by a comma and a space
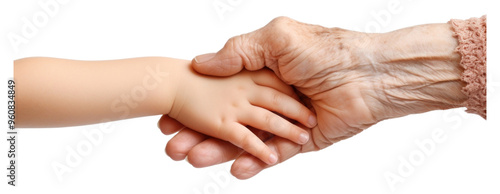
471, 35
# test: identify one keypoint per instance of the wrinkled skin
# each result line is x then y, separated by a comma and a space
336, 72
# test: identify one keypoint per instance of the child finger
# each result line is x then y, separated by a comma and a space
246, 165
214, 151
242, 137
269, 79
278, 102
268, 121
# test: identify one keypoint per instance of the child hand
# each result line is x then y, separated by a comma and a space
223, 107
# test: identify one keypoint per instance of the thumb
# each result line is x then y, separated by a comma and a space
238, 52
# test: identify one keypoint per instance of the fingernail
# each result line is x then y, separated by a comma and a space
273, 159
204, 58
304, 137
312, 121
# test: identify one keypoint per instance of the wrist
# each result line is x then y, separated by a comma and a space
164, 76
184, 78
414, 70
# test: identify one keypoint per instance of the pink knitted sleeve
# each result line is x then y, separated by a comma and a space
471, 35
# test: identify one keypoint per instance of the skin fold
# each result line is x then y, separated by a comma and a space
351, 79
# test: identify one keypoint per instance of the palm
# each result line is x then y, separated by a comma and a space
341, 113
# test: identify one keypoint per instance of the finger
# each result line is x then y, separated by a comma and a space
215, 151
266, 120
179, 146
212, 151
268, 78
247, 166
238, 52
262, 135
273, 100
169, 125
242, 137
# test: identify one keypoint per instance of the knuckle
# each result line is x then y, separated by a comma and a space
220, 129
246, 142
201, 157
233, 41
287, 108
268, 117
235, 44
276, 99
277, 124
280, 34
280, 26
246, 49
280, 21
293, 112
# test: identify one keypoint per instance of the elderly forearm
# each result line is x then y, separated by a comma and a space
415, 70
57, 92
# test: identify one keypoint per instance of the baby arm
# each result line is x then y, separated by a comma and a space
54, 92
58, 92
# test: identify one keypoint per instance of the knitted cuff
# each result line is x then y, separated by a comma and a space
471, 35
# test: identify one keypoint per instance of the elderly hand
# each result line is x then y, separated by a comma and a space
351, 79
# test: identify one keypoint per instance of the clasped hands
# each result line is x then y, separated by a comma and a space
296, 53
340, 76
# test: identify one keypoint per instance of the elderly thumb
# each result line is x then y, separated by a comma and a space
239, 52
222, 63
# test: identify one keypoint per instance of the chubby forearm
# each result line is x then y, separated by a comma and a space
54, 92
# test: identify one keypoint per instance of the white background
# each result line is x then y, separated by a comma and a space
131, 158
